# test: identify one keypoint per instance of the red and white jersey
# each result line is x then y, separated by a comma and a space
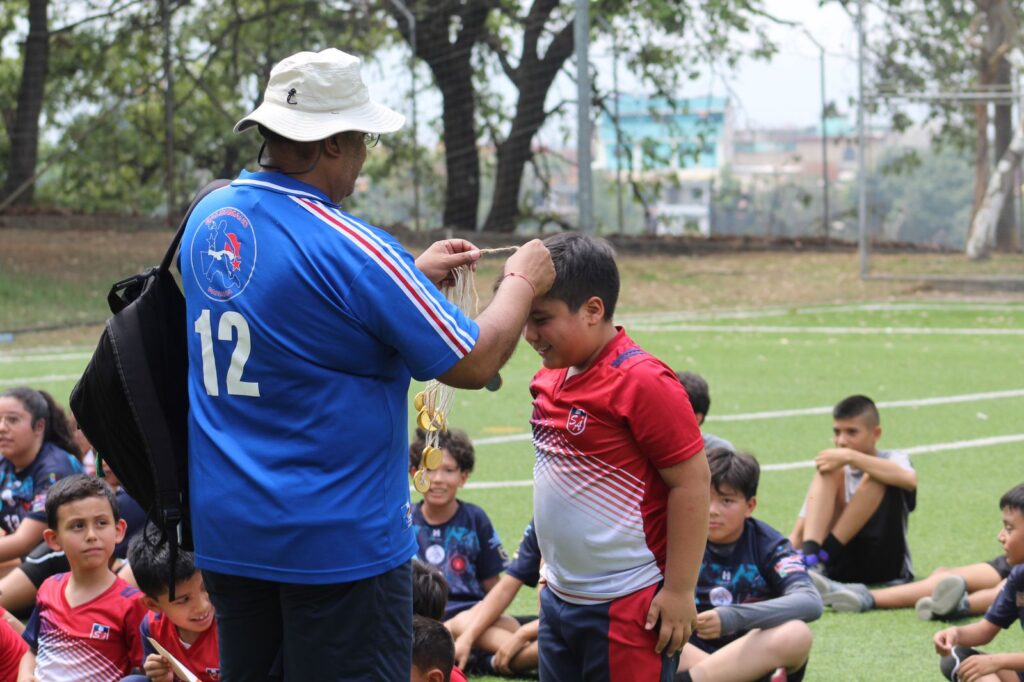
600, 437
96, 641
201, 657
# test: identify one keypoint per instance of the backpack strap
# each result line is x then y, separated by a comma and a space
172, 250
146, 402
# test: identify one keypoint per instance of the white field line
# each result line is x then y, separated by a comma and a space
43, 357
863, 331
777, 311
807, 411
808, 464
29, 381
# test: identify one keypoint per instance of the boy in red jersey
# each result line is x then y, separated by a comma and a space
622, 483
86, 623
186, 627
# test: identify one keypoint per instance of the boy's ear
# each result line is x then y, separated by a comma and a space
751, 505
122, 528
50, 536
877, 432
435, 675
593, 309
151, 603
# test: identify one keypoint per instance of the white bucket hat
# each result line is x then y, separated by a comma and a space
313, 95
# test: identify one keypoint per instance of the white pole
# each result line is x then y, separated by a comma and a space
585, 190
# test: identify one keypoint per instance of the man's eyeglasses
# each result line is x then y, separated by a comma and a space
371, 140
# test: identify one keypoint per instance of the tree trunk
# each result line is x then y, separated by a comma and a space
1002, 26
984, 224
24, 135
451, 64
533, 78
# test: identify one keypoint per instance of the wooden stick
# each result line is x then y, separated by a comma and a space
499, 250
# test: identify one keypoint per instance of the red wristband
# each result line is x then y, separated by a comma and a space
525, 279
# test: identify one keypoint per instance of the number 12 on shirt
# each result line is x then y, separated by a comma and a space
232, 325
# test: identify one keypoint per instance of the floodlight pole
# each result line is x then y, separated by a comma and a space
862, 184
824, 139
618, 127
411, 19
585, 189
165, 24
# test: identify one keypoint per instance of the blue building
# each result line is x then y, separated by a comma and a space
674, 147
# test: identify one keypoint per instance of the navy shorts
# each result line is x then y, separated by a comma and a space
603, 642
1001, 565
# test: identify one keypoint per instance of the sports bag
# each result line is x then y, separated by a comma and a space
132, 400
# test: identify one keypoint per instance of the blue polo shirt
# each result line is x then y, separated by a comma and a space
305, 326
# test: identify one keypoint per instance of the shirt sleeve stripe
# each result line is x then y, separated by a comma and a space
357, 224
458, 346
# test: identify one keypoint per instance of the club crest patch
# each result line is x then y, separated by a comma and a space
100, 631
577, 421
223, 253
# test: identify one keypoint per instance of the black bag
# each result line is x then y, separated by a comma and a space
132, 400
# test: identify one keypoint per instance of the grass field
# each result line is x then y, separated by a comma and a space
776, 364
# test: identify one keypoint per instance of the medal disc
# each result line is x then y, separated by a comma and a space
421, 481
432, 458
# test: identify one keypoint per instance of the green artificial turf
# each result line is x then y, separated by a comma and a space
754, 366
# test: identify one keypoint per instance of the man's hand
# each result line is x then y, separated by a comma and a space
976, 667
709, 624
831, 459
440, 258
532, 261
946, 639
677, 613
508, 651
158, 669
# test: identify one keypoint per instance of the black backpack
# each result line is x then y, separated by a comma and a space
132, 400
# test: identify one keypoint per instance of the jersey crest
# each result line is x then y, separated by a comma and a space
223, 253
576, 422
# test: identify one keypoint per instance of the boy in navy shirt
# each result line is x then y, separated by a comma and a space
512, 640
455, 537
754, 597
960, 660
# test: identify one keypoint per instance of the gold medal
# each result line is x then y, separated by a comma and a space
425, 422
419, 401
421, 481
432, 458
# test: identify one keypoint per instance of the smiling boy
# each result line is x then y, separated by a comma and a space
86, 620
754, 596
853, 525
621, 482
962, 661
186, 627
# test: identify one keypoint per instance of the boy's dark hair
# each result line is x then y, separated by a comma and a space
429, 591
697, 389
149, 557
857, 406
738, 470
432, 646
584, 267
455, 441
41, 405
74, 488
1013, 499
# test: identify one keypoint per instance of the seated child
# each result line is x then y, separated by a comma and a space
511, 640
853, 525
456, 537
88, 619
185, 627
432, 651
621, 482
960, 660
946, 594
700, 399
12, 647
429, 597
754, 597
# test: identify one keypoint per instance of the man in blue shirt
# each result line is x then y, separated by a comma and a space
305, 326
